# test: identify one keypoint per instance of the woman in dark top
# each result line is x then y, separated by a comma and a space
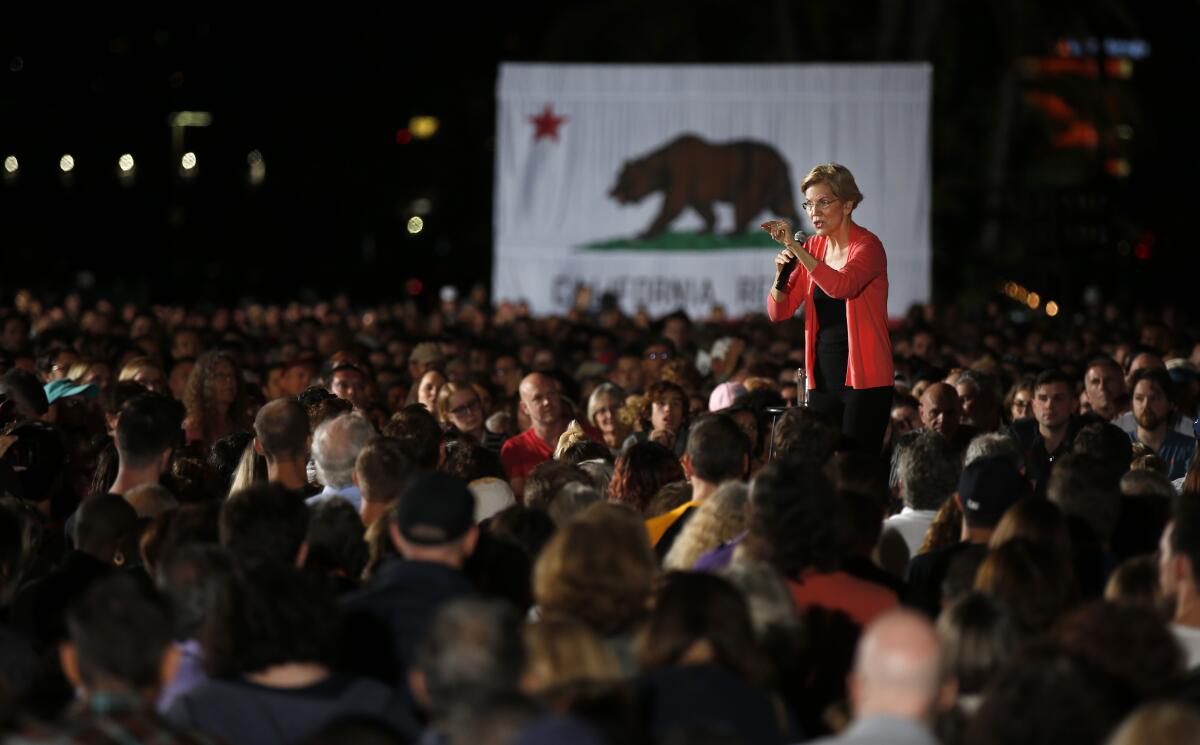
840, 274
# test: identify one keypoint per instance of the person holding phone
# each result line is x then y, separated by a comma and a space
840, 275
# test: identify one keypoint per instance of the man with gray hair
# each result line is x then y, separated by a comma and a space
335, 448
980, 400
474, 646
896, 687
927, 468
994, 444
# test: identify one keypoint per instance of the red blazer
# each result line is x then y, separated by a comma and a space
863, 283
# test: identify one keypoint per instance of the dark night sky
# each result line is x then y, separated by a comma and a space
322, 96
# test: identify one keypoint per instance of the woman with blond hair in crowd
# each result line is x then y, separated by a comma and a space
603, 411
599, 569
458, 406
718, 520
147, 372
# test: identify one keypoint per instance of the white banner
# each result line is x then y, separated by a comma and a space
651, 181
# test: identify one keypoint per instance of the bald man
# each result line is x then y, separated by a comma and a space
541, 400
896, 686
941, 412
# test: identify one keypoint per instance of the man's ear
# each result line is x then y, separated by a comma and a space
470, 540
397, 539
164, 462
68, 658
354, 479
1181, 567
947, 695
420, 691
169, 665
958, 501
258, 447
302, 555
854, 692
686, 462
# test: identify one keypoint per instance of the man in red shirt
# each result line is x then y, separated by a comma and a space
541, 400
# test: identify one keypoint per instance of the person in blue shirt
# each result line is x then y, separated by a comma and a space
1153, 402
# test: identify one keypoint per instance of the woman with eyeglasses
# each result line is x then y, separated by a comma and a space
458, 406
840, 275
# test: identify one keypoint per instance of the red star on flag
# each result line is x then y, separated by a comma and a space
547, 124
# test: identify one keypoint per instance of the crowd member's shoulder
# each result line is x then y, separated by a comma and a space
1023, 430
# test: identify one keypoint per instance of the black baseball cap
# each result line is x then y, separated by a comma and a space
435, 508
988, 487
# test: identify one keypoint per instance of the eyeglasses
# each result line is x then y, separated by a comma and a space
821, 204
658, 355
466, 408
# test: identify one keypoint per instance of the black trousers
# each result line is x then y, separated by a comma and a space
862, 412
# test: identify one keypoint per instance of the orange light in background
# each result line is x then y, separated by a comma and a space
1052, 309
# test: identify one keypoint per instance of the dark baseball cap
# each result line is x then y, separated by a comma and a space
435, 508
988, 487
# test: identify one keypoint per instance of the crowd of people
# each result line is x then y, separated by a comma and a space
322, 522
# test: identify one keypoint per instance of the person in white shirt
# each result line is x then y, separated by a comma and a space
335, 448
1179, 559
928, 471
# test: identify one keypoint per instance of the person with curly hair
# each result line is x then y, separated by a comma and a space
640, 472
215, 399
719, 519
663, 418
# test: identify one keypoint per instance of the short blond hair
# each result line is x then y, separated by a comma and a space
839, 180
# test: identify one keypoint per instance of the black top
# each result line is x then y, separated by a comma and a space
1038, 459
392, 612
831, 320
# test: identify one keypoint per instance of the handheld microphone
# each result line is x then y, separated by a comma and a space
789, 267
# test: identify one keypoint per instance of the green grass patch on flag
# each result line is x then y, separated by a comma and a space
671, 241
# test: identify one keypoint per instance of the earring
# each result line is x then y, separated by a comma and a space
118, 558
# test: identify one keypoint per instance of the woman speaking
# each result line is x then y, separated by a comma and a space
840, 275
